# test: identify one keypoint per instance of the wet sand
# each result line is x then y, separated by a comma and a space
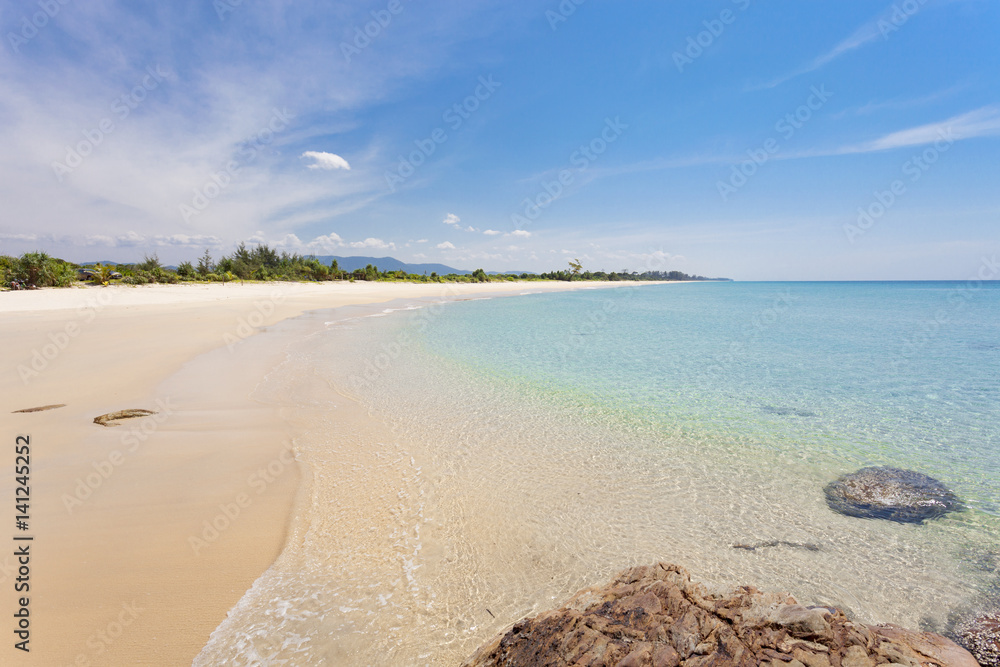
147, 533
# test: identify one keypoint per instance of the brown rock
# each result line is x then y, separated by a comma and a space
112, 418
41, 408
981, 635
856, 656
656, 616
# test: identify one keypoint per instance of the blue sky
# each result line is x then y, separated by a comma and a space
784, 140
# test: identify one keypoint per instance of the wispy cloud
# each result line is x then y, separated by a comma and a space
897, 104
868, 32
983, 122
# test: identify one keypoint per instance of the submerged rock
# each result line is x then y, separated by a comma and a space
980, 634
656, 616
890, 493
787, 412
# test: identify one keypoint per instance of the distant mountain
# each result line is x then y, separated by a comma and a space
389, 264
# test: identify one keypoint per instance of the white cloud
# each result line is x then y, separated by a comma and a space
19, 237
187, 240
99, 239
470, 228
520, 233
326, 160
492, 232
445, 246
329, 242
421, 241
451, 219
290, 241
372, 243
657, 260
130, 238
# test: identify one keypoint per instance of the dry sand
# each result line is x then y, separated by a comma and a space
126, 565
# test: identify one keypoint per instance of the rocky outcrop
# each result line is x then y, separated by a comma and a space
890, 493
656, 616
980, 633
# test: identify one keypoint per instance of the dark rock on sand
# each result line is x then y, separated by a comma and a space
890, 493
656, 616
112, 417
980, 633
41, 408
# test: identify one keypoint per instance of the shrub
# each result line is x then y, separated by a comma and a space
186, 270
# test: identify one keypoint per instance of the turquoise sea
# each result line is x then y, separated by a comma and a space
523, 448
896, 373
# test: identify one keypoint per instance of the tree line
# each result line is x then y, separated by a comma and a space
263, 263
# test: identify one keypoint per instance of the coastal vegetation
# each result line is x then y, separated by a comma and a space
263, 263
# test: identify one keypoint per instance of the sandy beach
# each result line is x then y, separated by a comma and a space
147, 533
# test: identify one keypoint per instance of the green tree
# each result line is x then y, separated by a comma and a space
204, 264
149, 263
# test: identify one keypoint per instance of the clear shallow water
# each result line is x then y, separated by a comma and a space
480, 461
853, 372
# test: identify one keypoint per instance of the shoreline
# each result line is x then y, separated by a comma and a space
124, 579
448, 502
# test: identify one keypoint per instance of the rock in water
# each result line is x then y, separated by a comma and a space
981, 635
657, 617
890, 493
